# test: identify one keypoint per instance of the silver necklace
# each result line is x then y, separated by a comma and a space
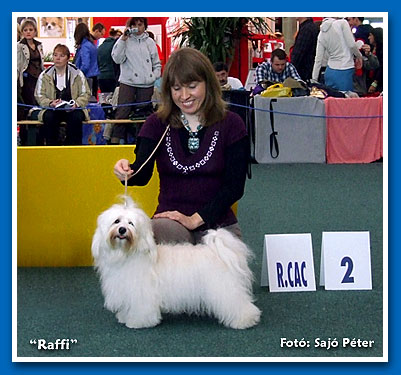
193, 140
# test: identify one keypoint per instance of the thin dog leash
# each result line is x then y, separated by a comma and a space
144, 163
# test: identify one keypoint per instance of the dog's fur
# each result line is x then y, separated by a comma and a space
140, 280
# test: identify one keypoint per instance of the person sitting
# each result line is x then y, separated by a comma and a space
376, 40
202, 161
58, 83
226, 82
277, 70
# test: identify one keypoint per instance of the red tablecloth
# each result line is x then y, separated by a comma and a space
355, 140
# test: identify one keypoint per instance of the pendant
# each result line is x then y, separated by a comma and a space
193, 144
193, 140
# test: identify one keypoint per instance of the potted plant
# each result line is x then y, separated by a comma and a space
218, 37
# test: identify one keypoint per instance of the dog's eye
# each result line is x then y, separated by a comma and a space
117, 221
131, 223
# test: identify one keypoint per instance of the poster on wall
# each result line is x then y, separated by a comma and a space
51, 27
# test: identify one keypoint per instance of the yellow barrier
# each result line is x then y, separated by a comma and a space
61, 191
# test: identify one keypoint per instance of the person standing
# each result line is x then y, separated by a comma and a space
362, 30
376, 40
107, 78
140, 66
336, 42
86, 56
29, 67
98, 31
304, 50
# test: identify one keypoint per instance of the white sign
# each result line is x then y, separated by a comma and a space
345, 261
251, 80
288, 263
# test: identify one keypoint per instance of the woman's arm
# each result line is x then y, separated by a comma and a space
41, 94
118, 51
85, 92
85, 58
143, 149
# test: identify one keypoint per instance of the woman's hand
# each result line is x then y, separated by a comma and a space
54, 102
122, 169
366, 49
190, 222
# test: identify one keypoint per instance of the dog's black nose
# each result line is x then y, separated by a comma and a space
122, 230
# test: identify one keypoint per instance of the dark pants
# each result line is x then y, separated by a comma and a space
128, 94
107, 85
51, 126
27, 95
93, 85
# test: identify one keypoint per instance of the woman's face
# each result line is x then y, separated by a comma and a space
189, 97
28, 32
60, 59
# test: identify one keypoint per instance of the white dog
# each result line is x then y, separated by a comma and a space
141, 280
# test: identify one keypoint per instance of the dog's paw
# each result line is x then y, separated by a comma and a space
247, 318
134, 323
121, 317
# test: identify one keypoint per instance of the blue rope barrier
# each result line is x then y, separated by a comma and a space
304, 115
87, 107
237, 105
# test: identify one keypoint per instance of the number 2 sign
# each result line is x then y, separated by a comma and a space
345, 262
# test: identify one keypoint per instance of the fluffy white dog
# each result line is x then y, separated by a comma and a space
141, 280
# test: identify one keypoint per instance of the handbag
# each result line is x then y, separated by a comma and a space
277, 91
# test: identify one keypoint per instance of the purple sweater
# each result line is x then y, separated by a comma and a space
191, 182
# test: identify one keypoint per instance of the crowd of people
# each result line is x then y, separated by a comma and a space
344, 54
333, 55
201, 148
128, 60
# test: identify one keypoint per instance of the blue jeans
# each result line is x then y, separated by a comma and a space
341, 80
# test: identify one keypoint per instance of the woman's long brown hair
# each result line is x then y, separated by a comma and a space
184, 66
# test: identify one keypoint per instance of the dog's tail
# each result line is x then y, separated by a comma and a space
232, 251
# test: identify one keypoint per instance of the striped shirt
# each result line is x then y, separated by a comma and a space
265, 72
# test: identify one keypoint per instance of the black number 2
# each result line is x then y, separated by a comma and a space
347, 261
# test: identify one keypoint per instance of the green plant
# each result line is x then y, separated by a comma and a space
48, 57
217, 37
